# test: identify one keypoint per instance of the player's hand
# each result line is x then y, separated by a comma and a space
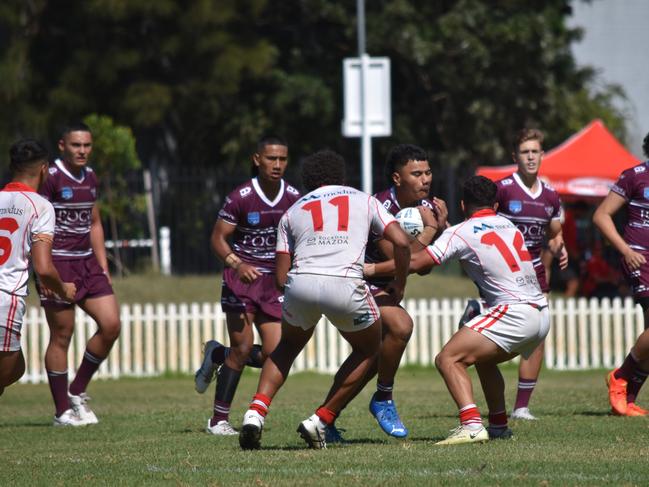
634, 260
46, 291
562, 255
247, 273
107, 274
395, 291
427, 217
70, 290
442, 213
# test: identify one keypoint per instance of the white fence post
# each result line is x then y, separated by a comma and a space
155, 339
165, 251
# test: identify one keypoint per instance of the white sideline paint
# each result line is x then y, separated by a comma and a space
160, 338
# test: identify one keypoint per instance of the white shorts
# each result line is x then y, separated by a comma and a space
516, 328
12, 310
347, 302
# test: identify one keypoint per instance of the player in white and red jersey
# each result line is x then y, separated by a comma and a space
631, 190
26, 229
535, 208
410, 176
79, 255
244, 236
492, 252
322, 240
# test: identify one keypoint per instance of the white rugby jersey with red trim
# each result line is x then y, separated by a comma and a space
327, 231
492, 251
23, 214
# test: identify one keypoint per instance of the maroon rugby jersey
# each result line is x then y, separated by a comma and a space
256, 218
530, 212
72, 198
633, 186
388, 199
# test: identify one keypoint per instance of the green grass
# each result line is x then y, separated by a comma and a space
151, 432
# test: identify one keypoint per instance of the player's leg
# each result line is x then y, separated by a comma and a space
528, 373
60, 321
240, 332
464, 349
624, 383
493, 386
12, 368
273, 375
365, 345
396, 331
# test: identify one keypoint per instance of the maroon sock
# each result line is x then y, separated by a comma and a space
627, 368
88, 367
383, 391
59, 387
221, 412
524, 393
633, 386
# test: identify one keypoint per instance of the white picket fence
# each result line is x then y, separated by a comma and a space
168, 337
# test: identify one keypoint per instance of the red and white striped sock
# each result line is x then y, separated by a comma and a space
470, 417
260, 403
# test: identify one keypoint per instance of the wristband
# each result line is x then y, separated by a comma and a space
231, 260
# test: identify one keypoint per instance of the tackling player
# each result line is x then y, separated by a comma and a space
322, 240
536, 210
249, 219
79, 255
631, 190
516, 319
26, 228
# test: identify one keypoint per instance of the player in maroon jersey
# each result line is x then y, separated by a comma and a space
248, 220
79, 255
408, 171
630, 190
535, 208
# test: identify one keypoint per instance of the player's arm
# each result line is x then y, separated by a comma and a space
401, 246
424, 239
221, 232
45, 270
603, 219
97, 240
282, 266
420, 262
556, 244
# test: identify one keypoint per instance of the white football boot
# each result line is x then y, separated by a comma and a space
68, 418
250, 435
523, 413
80, 405
222, 428
312, 430
461, 435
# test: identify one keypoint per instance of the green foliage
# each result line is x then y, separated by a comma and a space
113, 157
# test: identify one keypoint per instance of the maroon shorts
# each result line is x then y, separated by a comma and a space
260, 295
541, 277
86, 274
638, 279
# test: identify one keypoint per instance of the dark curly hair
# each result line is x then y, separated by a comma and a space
399, 156
478, 192
645, 145
26, 153
322, 168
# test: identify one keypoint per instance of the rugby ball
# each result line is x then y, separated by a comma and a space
410, 221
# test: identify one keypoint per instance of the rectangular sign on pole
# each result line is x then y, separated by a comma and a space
377, 97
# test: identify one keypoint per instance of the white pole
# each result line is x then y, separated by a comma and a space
150, 214
366, 139
165, 250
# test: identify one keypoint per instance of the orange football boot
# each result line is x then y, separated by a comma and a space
616, 393
632, 409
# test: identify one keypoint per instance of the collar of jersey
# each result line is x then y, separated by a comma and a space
15, 186
483, 212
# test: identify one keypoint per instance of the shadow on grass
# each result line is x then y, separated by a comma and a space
30, 424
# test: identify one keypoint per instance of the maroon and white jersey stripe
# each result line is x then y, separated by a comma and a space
72, 198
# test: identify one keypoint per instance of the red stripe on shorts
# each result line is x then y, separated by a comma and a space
502, 313
9, 324
491, 314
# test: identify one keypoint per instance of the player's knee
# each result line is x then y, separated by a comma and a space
240, 352
401, 331
61, 339
110, 330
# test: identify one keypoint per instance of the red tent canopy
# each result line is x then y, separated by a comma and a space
585, 165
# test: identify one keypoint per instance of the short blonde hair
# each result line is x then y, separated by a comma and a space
528, 134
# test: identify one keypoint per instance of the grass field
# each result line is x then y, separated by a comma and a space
154, 288
151, 432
